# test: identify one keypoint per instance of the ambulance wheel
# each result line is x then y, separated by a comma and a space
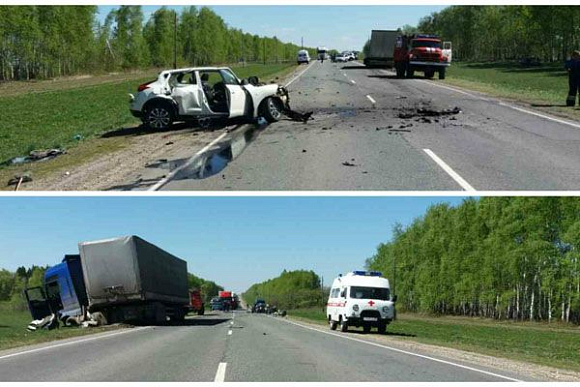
332, 324
382, 328
343, 326
442, 73
366, 328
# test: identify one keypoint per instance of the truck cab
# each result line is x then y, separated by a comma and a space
360, 299
419, 52
63, 292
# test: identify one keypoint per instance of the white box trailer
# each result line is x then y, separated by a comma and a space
381, 48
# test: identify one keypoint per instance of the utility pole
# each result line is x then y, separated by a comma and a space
302, 42
264, 51
394, 281
175, 40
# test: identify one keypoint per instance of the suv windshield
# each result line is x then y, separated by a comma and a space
426, 43
369, 293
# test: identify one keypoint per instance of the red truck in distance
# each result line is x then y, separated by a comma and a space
230, 300
419, 52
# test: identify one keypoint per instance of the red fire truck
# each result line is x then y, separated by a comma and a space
419, 52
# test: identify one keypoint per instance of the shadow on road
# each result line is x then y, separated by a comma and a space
399, 334
548, 105
384, 76
354, 68
187, 322
193, 126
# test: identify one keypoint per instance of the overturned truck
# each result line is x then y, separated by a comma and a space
113, 280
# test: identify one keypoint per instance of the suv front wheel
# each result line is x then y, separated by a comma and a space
271, 109
158, 117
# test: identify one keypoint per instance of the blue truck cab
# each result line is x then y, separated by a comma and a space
63, 292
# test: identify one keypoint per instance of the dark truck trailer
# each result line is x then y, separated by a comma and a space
381, 47
129, 278
114, 280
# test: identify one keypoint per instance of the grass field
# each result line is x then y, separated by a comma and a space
13, 331
542, 87
50, 114
551, 345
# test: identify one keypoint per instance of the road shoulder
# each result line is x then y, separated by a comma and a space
532, 371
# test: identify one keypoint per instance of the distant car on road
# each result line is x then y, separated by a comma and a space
259, 306
341, 58
198, 93
217, 304
303, 57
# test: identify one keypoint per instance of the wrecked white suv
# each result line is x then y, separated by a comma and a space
203, 94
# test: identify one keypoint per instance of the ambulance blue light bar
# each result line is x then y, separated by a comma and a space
368, 273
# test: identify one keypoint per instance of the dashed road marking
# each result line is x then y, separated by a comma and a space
220, 375
371, 99
230, 332
353, 82
454, 175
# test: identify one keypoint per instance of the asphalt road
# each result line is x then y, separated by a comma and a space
232, 347
358, 141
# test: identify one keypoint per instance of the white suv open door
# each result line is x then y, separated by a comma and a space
186, 92
237, 94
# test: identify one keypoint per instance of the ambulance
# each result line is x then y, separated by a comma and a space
360, 299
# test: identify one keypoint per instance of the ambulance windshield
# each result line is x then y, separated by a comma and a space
369, 293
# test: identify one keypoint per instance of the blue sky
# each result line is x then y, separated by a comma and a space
339, 27
235, 241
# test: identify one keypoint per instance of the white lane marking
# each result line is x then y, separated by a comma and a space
189, 162
353, 82
220, 375
299, 75
501, 103
230, 332
405, 352
231, 323
344, 74
464, 184
71, 343
371, 99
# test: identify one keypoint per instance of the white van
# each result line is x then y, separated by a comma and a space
360, 298
303, 57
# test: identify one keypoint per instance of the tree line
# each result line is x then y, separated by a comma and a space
498, 257
510, 32
12, 285
40, 42
290, 290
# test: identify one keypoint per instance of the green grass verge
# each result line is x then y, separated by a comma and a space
553, 345
52, 118
13, 331
543, 87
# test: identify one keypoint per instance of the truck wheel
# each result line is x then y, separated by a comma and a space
332, 324
429, 74
366, 328
442, 73
271, 109
410, 72
201, 311
100, 318
382, 328
343, 325
159, 116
